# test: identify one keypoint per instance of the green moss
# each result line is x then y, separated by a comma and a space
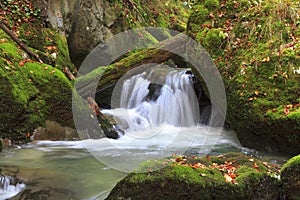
212, 4
171, 14
290, 175
63, 58
180, 181
214, 40
293, 162
34, 91
200, 15
10, 51
256, 56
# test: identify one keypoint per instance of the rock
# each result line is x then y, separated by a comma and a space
31, 93
54, 131
6, 143
181, 181
87, 23
262, 90
40, 133
290, 176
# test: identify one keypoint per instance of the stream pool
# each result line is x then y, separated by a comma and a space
89, 169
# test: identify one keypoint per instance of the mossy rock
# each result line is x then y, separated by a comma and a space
180, 181
257, 55
30, 93
290, 177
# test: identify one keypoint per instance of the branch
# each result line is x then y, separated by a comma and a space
19, 42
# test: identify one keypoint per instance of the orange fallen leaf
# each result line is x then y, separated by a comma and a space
255, 165
228, 179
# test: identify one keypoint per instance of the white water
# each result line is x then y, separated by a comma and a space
156, 126
9, 189
172, 102
158, 122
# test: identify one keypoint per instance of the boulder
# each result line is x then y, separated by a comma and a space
231, 176
31, 93
54, 131
257, 54
290, 176
87, 23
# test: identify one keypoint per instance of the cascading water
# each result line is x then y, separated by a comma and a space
160, 97
159, 111
9, 187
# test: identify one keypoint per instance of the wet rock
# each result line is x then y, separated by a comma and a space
54, 131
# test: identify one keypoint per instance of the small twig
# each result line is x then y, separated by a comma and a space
68, 73
19, 42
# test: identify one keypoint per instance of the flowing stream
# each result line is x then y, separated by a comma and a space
159, 112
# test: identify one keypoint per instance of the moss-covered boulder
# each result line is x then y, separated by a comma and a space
88, 23
30, 92
290, 176
232, 176
256, 49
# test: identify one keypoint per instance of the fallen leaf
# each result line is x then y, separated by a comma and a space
228, 179
255, 165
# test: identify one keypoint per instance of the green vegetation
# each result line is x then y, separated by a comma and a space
171, 14
290, 177
231, 176
34, 92
256, 49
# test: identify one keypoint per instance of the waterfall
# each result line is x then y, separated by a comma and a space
157, 97
9, 187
